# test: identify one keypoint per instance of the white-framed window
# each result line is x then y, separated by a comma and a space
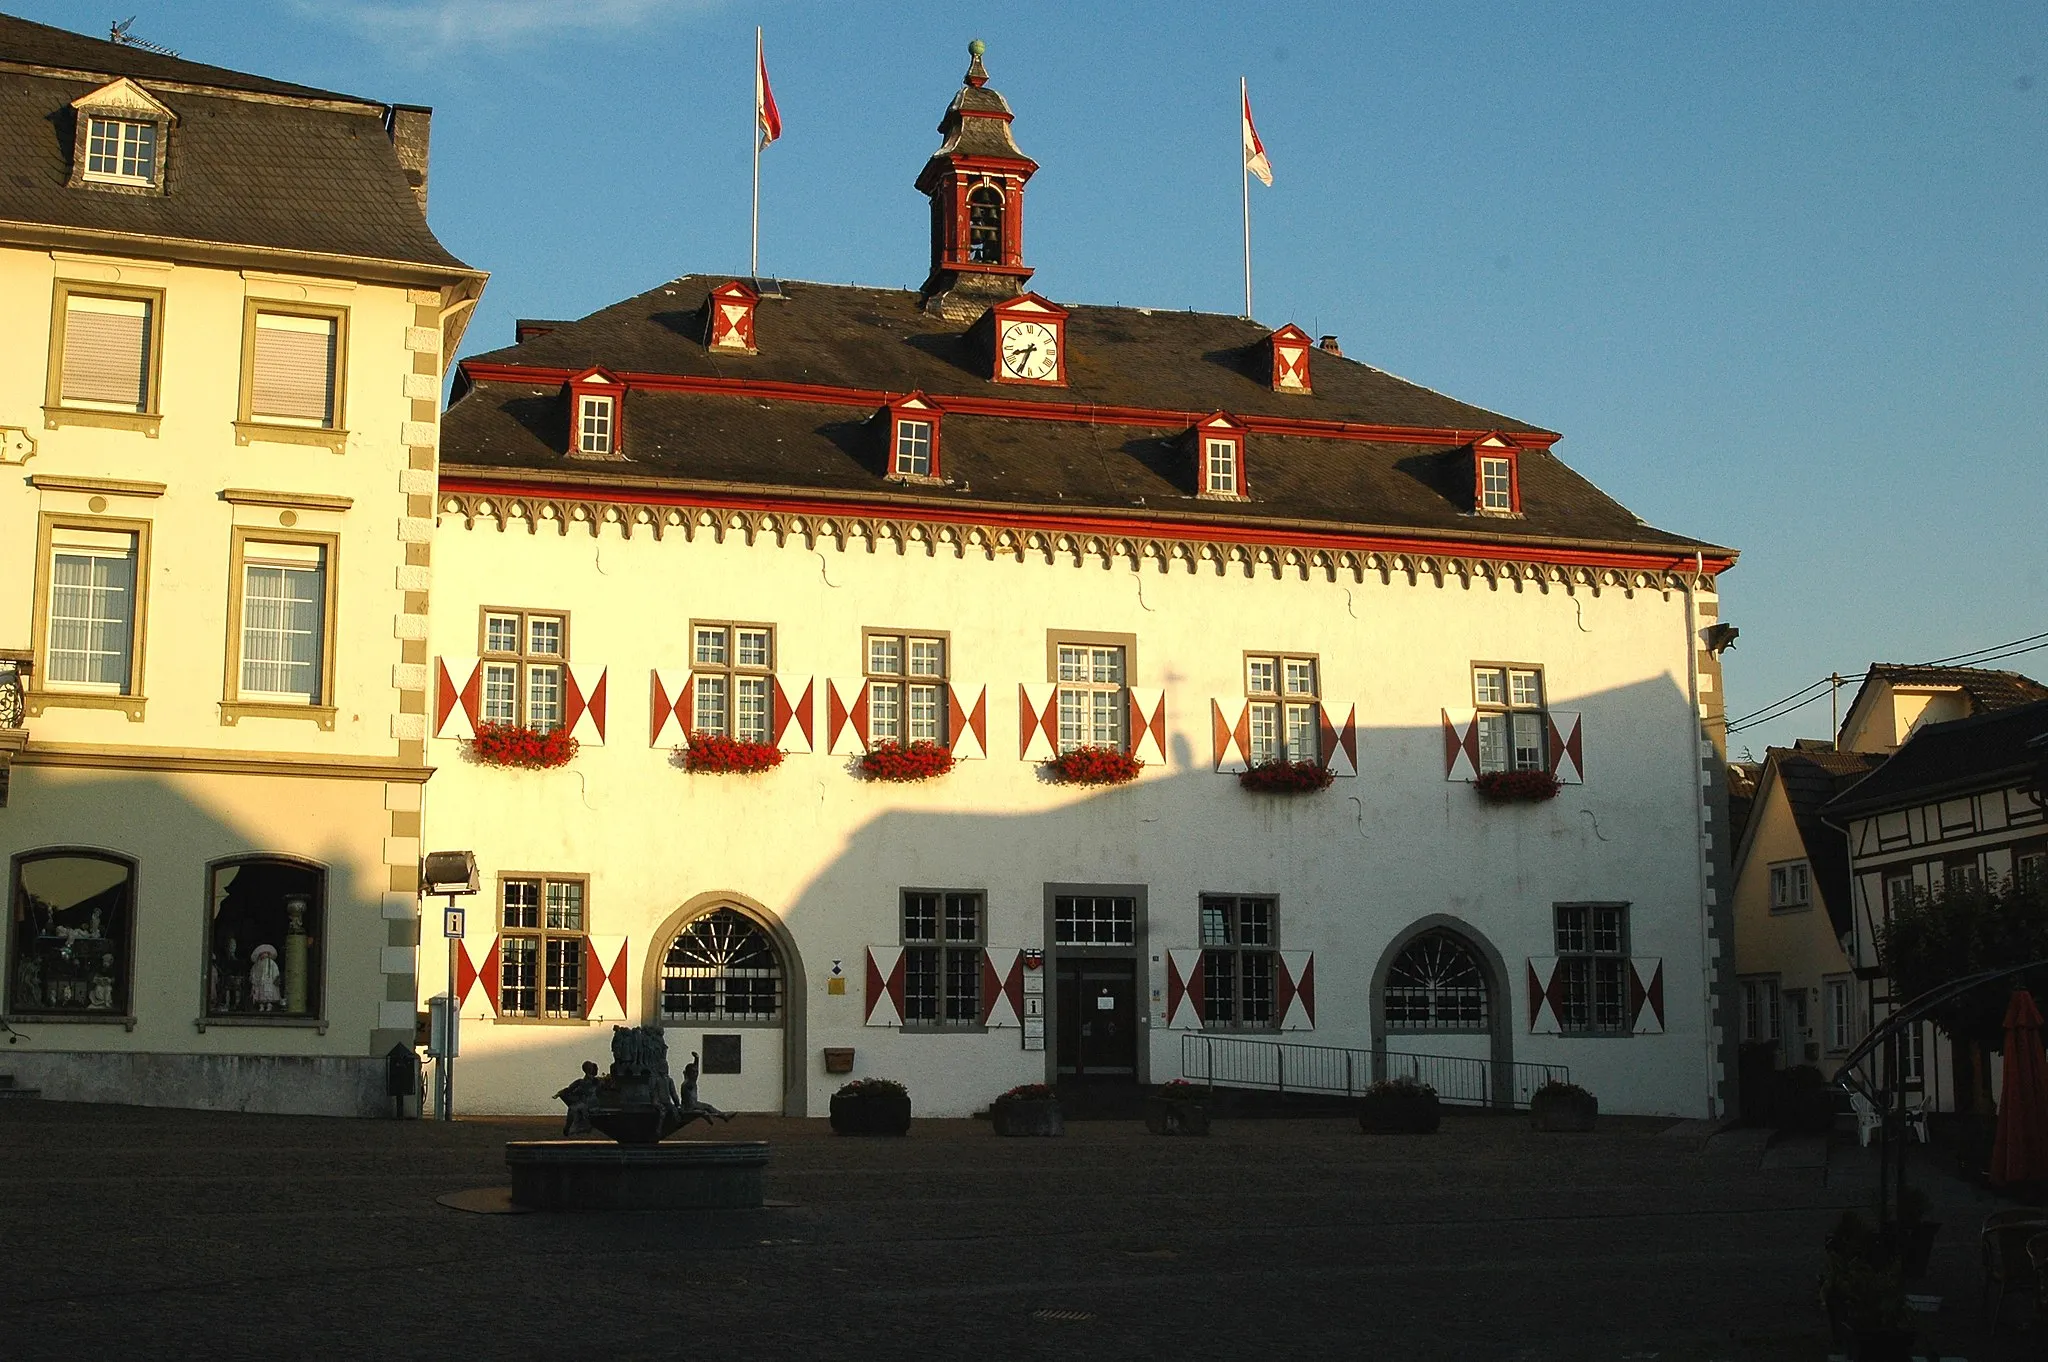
1899, 890
294, 368
913, 448
732, 667
108, 362
1240, 936
1092, 702
1838, 1006
906, 688
1592, 965
284, 622
1963, 877
92, 611
1284, 716
942, 944
595, 415
525, 655
1760, 1010
1912, 1055
1220, 464
120, 151
1511, 718
1496, 484
1791, 885
541, 933
2029, 867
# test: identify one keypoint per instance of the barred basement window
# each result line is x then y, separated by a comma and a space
1436, 984
1094, 920
722, 967
541, 948
1592, 965
942, 940
1239, 936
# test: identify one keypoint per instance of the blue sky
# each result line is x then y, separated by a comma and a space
1779, 273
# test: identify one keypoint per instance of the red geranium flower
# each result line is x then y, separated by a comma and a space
1286, 777
518, 745
1094, 766
920, 760
1508, 787
716, 754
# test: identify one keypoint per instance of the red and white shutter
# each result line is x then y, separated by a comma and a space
1646, 995
846, 718
458, 696
476, 977
967, 721
1230, 737
1002, 986
1542, 1001
604, 978
1340, 740
1148, 725
885, 986
1567, 748
670, 709
1184, 990
1461, 747
1038, 720
1294, 992
794, 720
583, 704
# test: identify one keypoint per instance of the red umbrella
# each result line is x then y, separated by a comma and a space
2020, 1151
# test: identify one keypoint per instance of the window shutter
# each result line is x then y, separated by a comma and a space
1340, 741
1148, 725
669, 707
1646, 995
293, 373
583, 704
1567, 757
1184, 990
476, 978
604, 978
1294, 991
967, 721
1461, 747
846, 717
885, 986
1542, 1006
793, 723
1002, 986
1038, 720
458, 687
106, 351
1230, 738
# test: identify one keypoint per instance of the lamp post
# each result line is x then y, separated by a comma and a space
450, 874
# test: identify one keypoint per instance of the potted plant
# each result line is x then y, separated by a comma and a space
1558, 1106
517, 745
1286, 777
1865, 1294
716, 754
1028, 1109
1177, 1108
871, 1106
1399, 1106
892, 760
1516, 787
1094, 766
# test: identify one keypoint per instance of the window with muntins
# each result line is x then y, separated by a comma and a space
525, 655
1839, 1006
913, 449
1592, 966
1760, 1010
906, 688
594, 425
1284, 716
942, 943
1511, 718
284, 625
90, 643
1496, 485
1094, 920
731, 666
266, 942
120, 151
1093, 704
294, 369
722, 967
542, 931
1220, 463
1791, 885
1436, 984
1239, 937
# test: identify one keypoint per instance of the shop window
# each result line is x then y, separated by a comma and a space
73, 935
267, 922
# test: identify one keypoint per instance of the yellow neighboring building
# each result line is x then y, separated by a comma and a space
219, 396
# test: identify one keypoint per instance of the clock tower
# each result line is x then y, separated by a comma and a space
975, 181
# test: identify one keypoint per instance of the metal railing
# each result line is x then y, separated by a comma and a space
1329, 1070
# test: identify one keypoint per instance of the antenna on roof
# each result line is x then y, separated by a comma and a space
118, 34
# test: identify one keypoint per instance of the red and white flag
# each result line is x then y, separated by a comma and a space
1254, 150
767, 118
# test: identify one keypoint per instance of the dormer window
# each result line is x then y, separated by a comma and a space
1290, 346
1496, 485
1496, 478
594, 425
120, 151
913, 448
120, 138
596, 412
985, 225
913, 427
1219, 459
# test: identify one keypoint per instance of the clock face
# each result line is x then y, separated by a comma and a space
1030, 351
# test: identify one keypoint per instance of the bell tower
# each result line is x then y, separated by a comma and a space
975, 181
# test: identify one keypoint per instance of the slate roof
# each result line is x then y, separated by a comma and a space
1811, 778
1988, 690
266, 172
1982, 752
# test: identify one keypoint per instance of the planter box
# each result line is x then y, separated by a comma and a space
1165, 1116
1563, 1111
1399, 1113
870, 1114
1039, 1116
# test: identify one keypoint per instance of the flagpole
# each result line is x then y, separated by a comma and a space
754, 252
1243, 102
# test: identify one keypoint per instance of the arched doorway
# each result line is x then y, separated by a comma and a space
1441, 989
725, 981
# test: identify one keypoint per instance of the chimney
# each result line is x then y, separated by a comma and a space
1329, 345
408, 126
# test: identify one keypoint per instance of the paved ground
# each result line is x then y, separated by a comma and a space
134, 1233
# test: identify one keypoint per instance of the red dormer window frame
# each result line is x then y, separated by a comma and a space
597, 381
1496, 447
912, 409
736, 336
1291, 337
1219, 428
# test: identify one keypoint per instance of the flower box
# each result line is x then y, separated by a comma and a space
871, 1106
517, 745
1399, 1106
1177, 1108
921, 760
1029, 1109
716, 754
1563, 1107
1286, 777
1516, 787
1094, 766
